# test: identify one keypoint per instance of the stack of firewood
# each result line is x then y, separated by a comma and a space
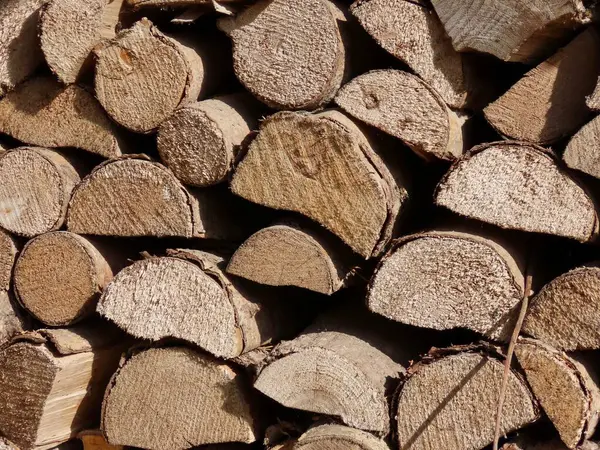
299, 225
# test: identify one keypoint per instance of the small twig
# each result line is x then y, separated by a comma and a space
509, 355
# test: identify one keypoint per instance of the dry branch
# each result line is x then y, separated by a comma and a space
518, 186
583, 151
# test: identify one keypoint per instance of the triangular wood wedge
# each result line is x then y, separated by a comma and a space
450, 402
518, 186
446, 280
302, 71
330, 437
206, 402
322, 166
511, 30
403, 105
548, 103
36, 188
565, 388
583, 151
566, 312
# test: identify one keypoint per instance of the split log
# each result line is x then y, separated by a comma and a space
548, 103
69, 31
12, 320
188, 296
8, 254
52, 383
35, 190
566, 312
302, 71
511, 30
405, 107
94, 440
200, 141
326, 437
461, 388
213, 403
582, 152
518, 186
142, 76
565, 388
593, 100
321, 165
59, 276
414, 35
291, 255
77, 118
20, 54
446, 280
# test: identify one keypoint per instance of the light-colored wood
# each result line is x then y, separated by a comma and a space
142, 76
446, 280
412, 33
94, 440
12, 320
77, 118
8, 254
290, 55
511, 30
59, 276
593, 100
447, 403
518, 186
52, 384
20, 53
179, 3
336, 437
322, 166
200, 141
185, 398
548, 103
35, 190
565, 387
69, 31
403, 105
583, 151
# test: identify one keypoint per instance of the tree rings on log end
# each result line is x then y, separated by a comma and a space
330, 437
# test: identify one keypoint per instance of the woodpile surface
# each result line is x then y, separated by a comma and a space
299, 224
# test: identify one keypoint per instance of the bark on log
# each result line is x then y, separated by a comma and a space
59, 277
304, 70
12, 320
330, 437
52, 383
566, 312
77, 118
290, 255
8, 254
449, 402
142, 76
548, 103
446, 280
20, 54
94, 440
69, 31
212, 402
188, 296
403, 105
35, 190
583, 152
322, 166
511, 30
518, 186
414, 35
565, 387
200, 141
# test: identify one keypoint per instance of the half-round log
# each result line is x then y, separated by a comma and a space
583, 151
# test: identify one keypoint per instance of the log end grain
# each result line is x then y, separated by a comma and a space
325, 437
518, 186
583, 151
59, 276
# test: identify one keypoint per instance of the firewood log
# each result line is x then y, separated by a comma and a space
449, 401
301, 71
330, 437
179, 3
12, 320
565, 388
406, 107
69, 31
545, 444
292, 255
514, 30
548, 103
593, 100
77, 118
52, 383
582, 152
8, 254
35, 190
200, 141
565, 313
5, 444
94, 440
322, 166
59, 276
20, 54
518, 186
205, 400
445, 280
